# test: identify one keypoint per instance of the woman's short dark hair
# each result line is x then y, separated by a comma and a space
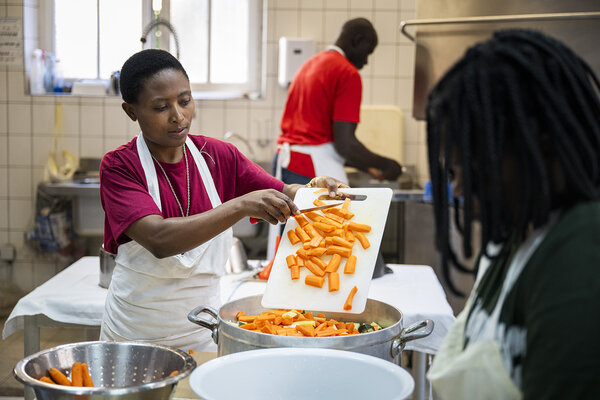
525, 94
141, 66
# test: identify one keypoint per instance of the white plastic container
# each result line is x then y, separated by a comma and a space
36, 72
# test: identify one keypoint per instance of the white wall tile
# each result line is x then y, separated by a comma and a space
16, 86
337, 4
311, 25
412, 130
4, 182
3, 119
383, 61
384, 91
408, 4
411, 151
237, 120
72, 144
70, 117
42, 271
286, 23
406, 61
286, 4
111, 143
210, 122
43, 119
3, 83
19, 150
387, 4
333, 23
21, 214
19, 119
3, 214
19, 182
92, 147
42, 145
311, 4
387, 25
4, 150
23, 275
362, 4
92, 119
272, 58
116, 121
367, 91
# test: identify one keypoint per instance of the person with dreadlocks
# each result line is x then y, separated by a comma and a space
170, 199
515, 125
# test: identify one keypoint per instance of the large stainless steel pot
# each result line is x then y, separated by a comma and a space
385, 343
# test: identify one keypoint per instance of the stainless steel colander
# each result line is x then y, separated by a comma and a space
126, 370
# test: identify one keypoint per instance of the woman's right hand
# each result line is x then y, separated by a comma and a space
269, 205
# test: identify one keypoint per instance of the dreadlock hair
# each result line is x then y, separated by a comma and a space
527, 98
140, 67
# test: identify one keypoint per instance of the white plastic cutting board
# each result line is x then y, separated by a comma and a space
283, 292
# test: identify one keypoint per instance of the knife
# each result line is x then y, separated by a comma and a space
305, 210
342, 196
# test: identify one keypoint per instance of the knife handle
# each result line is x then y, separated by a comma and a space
253, 220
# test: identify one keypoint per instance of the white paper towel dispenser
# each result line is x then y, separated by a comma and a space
293, 52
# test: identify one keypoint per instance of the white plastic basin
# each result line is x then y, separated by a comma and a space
300, 373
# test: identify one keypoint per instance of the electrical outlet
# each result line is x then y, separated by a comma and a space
7, 253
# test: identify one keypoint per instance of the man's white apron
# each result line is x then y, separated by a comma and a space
149, 298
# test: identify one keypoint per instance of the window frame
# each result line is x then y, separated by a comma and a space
253, 89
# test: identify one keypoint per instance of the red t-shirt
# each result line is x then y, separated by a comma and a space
326, 88
124, 191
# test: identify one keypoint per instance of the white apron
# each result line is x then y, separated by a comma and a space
149, 298
326, 161
479, 371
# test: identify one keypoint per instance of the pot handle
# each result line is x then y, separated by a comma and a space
213, 326
415, 331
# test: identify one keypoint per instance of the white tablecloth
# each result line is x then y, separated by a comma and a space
73, 296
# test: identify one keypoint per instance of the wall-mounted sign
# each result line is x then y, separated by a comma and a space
11, 41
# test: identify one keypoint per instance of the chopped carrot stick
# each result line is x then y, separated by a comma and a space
330, 221
324, 227
174, 373
335, 214
59, 377
247, 318
47, 380
350, 327
293, 237
320, 190
316, 240
191, 351
354, 226
76, 376
249, 327
349, 236
342, 242
299, 261
342, 251
363, 240
348, 303
319, 203
346, 204
334, 263
312, 267
334, 281
326, 332
316, 281
350, 265
320, 263
301, 220
87, 379
309, 315
306, 330
348, 215
310, 230
302, 234
290, 260
295, 272
302, 253
322, 325
316, 252
315, 216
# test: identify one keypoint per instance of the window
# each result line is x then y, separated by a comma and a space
219, 42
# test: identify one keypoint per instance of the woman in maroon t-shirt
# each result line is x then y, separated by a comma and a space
170, 200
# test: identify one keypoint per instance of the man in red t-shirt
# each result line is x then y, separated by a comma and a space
322, 111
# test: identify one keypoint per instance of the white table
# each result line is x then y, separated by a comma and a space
74, 298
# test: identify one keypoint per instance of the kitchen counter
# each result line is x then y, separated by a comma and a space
74, 298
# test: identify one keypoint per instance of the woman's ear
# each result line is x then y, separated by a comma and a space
129, 110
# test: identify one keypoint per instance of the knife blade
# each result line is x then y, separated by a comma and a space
342, 196
305, 210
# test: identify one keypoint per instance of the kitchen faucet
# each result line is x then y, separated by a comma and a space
156, 23
230, 134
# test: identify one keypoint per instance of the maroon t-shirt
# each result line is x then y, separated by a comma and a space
124, 191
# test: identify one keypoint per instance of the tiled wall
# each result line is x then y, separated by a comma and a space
93, 126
